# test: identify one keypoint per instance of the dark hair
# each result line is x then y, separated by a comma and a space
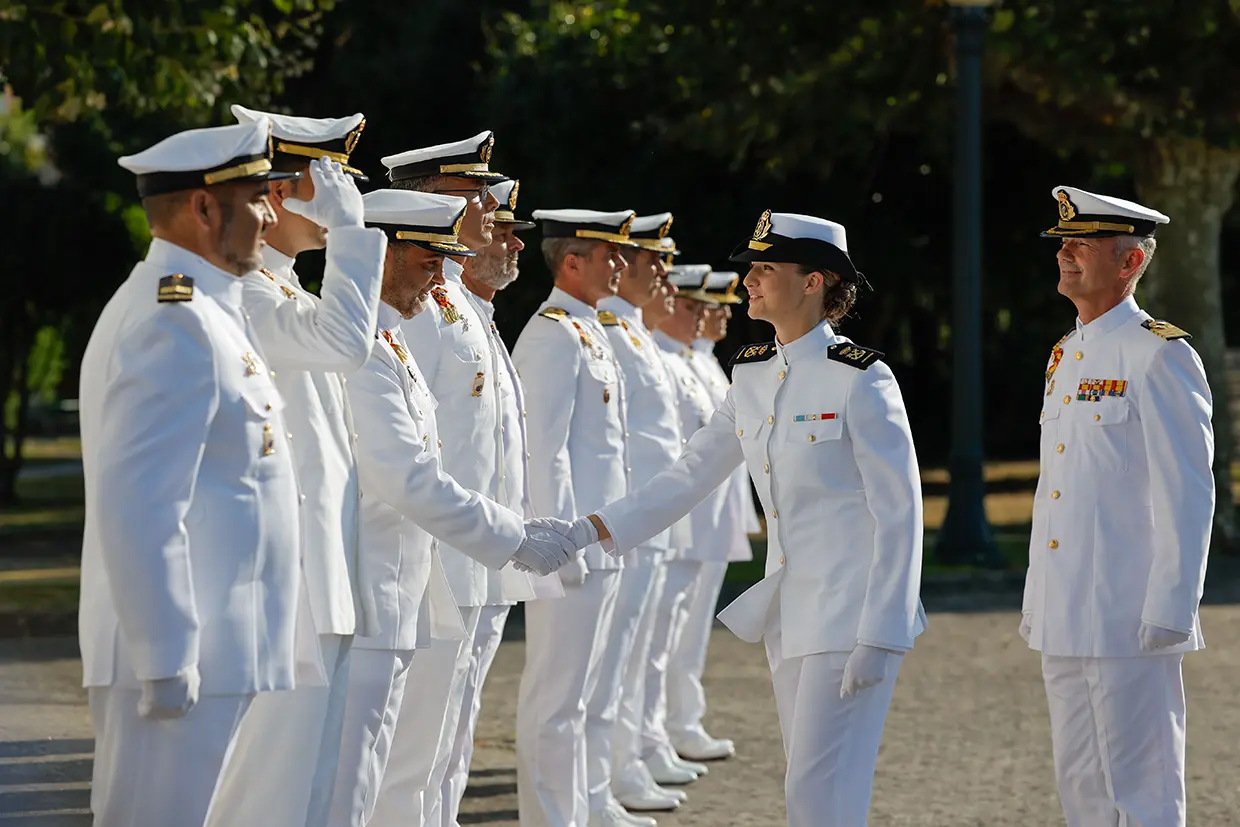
838, 296
423, 183
283, 162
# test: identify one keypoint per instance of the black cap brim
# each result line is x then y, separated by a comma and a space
517, 225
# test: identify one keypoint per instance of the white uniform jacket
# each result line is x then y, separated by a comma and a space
739, 513
826, 439
449, 342
311, 343
651, 410
706, 528
1125, 498
574, 393
407, 501
190, 553
508, 585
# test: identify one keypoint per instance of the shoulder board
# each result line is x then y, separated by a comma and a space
753, 353
556, 313
855, 355
607, 318
176, 288
1064, 338
1166, 330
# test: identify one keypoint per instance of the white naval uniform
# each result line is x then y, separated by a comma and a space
290, 742
190, 552
654, 443
828, 444
407, 501
574, 397
683, 566
686, 699
505, 587
1122, 405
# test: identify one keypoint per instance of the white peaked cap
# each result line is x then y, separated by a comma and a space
428, 219
1085, 214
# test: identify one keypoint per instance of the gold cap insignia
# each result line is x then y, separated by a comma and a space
512, 196
460, 219
764, 226
1066, 210
485, 150
624, 228
350, 140
666, 228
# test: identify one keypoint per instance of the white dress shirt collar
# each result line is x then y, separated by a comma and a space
621, 307
811, 344
669, 344
390, 318
1109, 320
575, 306
277, 262
216, 283
452, 271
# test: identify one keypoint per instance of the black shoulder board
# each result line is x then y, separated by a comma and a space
1165, 329
754, 353
607, 318
855, 355
553, 313
176, 288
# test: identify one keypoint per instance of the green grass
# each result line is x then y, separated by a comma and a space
39, 597
46, 504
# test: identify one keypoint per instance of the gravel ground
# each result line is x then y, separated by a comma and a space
967, 741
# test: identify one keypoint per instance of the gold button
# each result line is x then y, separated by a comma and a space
273, 374
1079, 356
812, 437
1053, 544
1054, 495
268, 406
782, 374
1097, 417
1067, 399
425, 437
781, 559
303, 498
289, 434
1059, 448
439, 442
741, 432
766, 468
770, 420
774, 515
355, 437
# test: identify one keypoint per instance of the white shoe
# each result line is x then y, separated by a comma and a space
665, 771
638, 782
646, 801
701, 747
609, 817
629, 819
692, 766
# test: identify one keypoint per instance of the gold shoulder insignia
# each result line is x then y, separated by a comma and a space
556, 313
1166, 330
176, 288
607, 318
855, 355
754, 353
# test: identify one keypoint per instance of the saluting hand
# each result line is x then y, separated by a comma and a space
169, 698
337, 202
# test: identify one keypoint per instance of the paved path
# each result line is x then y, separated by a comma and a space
967, 743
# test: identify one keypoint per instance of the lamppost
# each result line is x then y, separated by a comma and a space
965, 536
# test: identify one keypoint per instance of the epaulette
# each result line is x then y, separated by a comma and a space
288, 294
754, 353
607, 318
1165, 329
556, 313
854, 355
176, 288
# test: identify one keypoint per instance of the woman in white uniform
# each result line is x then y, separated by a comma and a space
821, 426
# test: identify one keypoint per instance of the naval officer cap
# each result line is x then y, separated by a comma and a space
720, 288
505, 193
689, 278
296, 138
470, 158
648, 231
198, 158
1089, 215
799, 239
667, 249
429, 220
587, 224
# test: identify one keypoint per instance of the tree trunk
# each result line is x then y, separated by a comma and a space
1194, 184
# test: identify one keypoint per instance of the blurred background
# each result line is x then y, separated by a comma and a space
712, 109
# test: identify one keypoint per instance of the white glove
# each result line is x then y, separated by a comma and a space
1026, 626
866, 667
169, 698
543, 550
337, 201
1156, 637
582, 533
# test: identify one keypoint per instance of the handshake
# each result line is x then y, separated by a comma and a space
552, 544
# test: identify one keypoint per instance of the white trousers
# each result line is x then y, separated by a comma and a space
486, 643
420, 746
669, 623
686, 699
641, 569
377, 679
831, 743
159, 773
564, 641
284, 762
1118, 726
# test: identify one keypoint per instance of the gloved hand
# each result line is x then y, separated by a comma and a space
1156, 637
543, 550
582, 533
865, 667
169, 698
337, 201
1026, 626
